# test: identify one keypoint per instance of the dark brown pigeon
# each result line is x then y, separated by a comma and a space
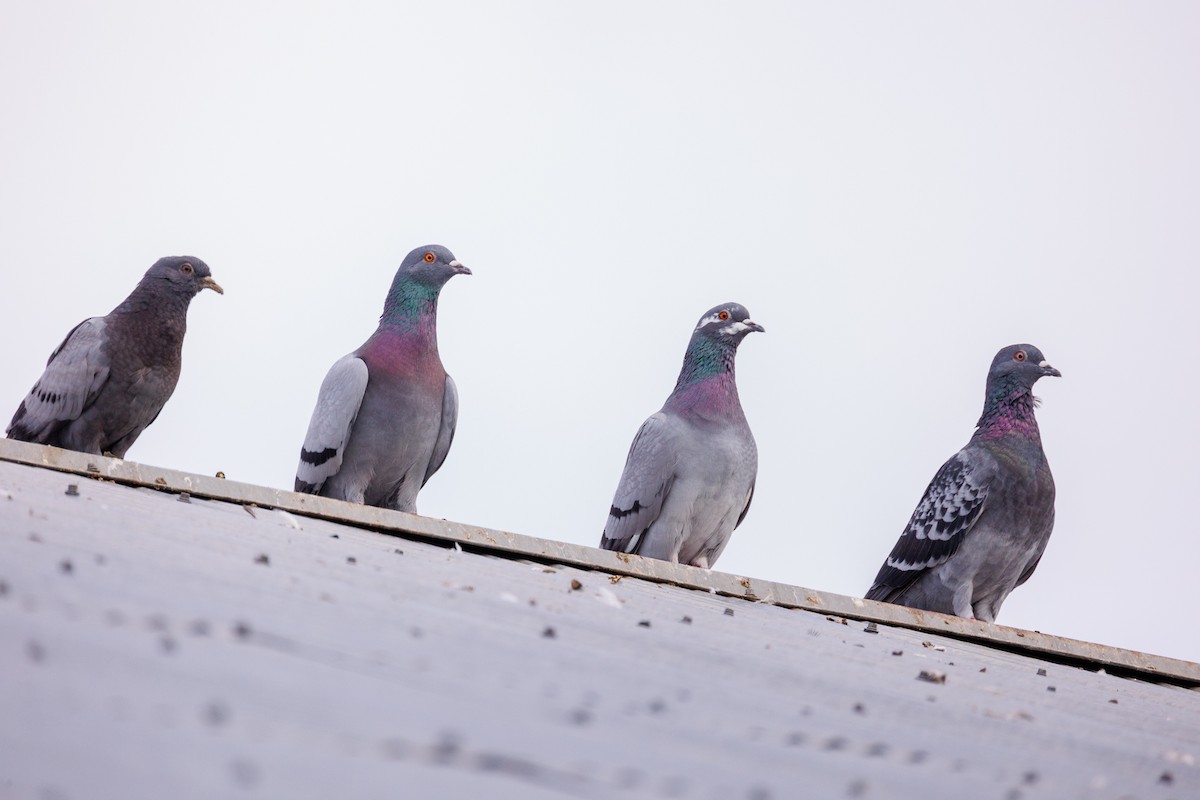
111, 376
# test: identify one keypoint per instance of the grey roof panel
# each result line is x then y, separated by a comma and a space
148, 648
1147, 665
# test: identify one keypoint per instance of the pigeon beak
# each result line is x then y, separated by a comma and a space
459, 269
1049, 370
208, 283
754, 326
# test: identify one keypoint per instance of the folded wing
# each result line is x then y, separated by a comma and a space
647, 480
332, 420
446, 431
952, 503
74, 376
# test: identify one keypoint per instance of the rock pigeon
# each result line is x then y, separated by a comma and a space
112, 375
984, 521
386, 413
691, 468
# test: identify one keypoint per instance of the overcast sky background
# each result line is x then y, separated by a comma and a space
894, 190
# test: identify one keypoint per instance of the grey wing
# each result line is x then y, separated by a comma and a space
952, 503
1045, 537
746, 508
644, 486
329, 429
74, 375
446, 431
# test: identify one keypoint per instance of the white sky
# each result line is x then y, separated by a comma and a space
894, 190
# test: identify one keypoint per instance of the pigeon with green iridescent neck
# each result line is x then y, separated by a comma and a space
985, 519
112, 375
386, 413
691, 469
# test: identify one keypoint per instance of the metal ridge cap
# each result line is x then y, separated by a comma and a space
514, 545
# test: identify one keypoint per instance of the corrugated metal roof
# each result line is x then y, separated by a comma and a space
206, 645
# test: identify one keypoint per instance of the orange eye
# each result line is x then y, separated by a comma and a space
429, 258
1020, 356
186, 268
723, 316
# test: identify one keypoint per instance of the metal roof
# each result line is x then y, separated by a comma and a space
164, 633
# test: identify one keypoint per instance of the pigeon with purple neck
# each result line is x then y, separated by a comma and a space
386, 413
690, 472
986, 517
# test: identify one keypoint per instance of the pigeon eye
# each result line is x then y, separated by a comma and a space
723, 316
186, 268
1020, 356
429, 258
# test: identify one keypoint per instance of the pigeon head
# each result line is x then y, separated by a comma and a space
1020, 365
431, 265
714, 343
727, 323
418, 282
1009, 396
184, 275
170, 285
